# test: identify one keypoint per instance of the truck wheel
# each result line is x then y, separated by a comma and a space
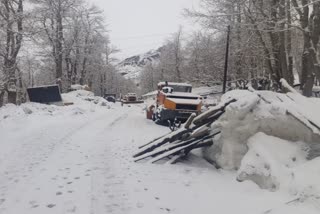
157, 118
154, 117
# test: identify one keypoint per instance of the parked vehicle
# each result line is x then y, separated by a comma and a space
111, 99
174, 101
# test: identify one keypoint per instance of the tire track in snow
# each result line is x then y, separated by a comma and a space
49, 149
119, 119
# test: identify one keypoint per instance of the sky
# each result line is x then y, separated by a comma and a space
137, 26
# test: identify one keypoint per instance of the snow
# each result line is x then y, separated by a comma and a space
79, 87
204, 91
316, 89
270, 159
175, 84
277, 164
78, 159
43, 86
131, 72
265, 112
272, 140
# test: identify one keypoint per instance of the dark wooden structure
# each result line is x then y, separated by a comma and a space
193, 134
45, 94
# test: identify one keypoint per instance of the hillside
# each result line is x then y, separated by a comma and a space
131, 67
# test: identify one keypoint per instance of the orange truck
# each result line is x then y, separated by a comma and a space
131, 98
174, 101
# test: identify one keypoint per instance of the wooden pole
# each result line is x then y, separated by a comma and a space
226, 62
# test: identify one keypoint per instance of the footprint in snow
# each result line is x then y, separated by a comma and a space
167, 209
58, 193
72, 210
33, 204
51, 205
140, 205
2, 200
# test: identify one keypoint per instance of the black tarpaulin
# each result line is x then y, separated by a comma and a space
45, 94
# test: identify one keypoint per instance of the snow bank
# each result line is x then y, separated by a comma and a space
276, 164
83, 102
271, 139
270, 160
271, 113
83, 96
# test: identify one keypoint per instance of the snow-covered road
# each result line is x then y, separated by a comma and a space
76, 161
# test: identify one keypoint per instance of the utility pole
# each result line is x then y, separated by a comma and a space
226, 62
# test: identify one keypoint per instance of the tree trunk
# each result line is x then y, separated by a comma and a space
275, 40
12, 97
75, 66
284, 71
238, 60
69, 70
307, 67
289, 44
2, 92
59, 47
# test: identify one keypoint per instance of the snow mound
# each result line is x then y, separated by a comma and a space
286, 116
270, 160
79, 87
82, 102
83, 96
272, 139
10, 110
276, 164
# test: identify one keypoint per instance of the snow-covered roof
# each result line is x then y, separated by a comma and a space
182, 94
175, 83
43, 86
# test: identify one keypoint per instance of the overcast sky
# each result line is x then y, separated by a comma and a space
137, 26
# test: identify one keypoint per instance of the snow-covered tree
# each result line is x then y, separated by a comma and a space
11, 38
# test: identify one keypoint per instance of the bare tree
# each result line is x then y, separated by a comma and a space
52, 14
11, 15
310, 25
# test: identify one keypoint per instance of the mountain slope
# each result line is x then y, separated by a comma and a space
131, 67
